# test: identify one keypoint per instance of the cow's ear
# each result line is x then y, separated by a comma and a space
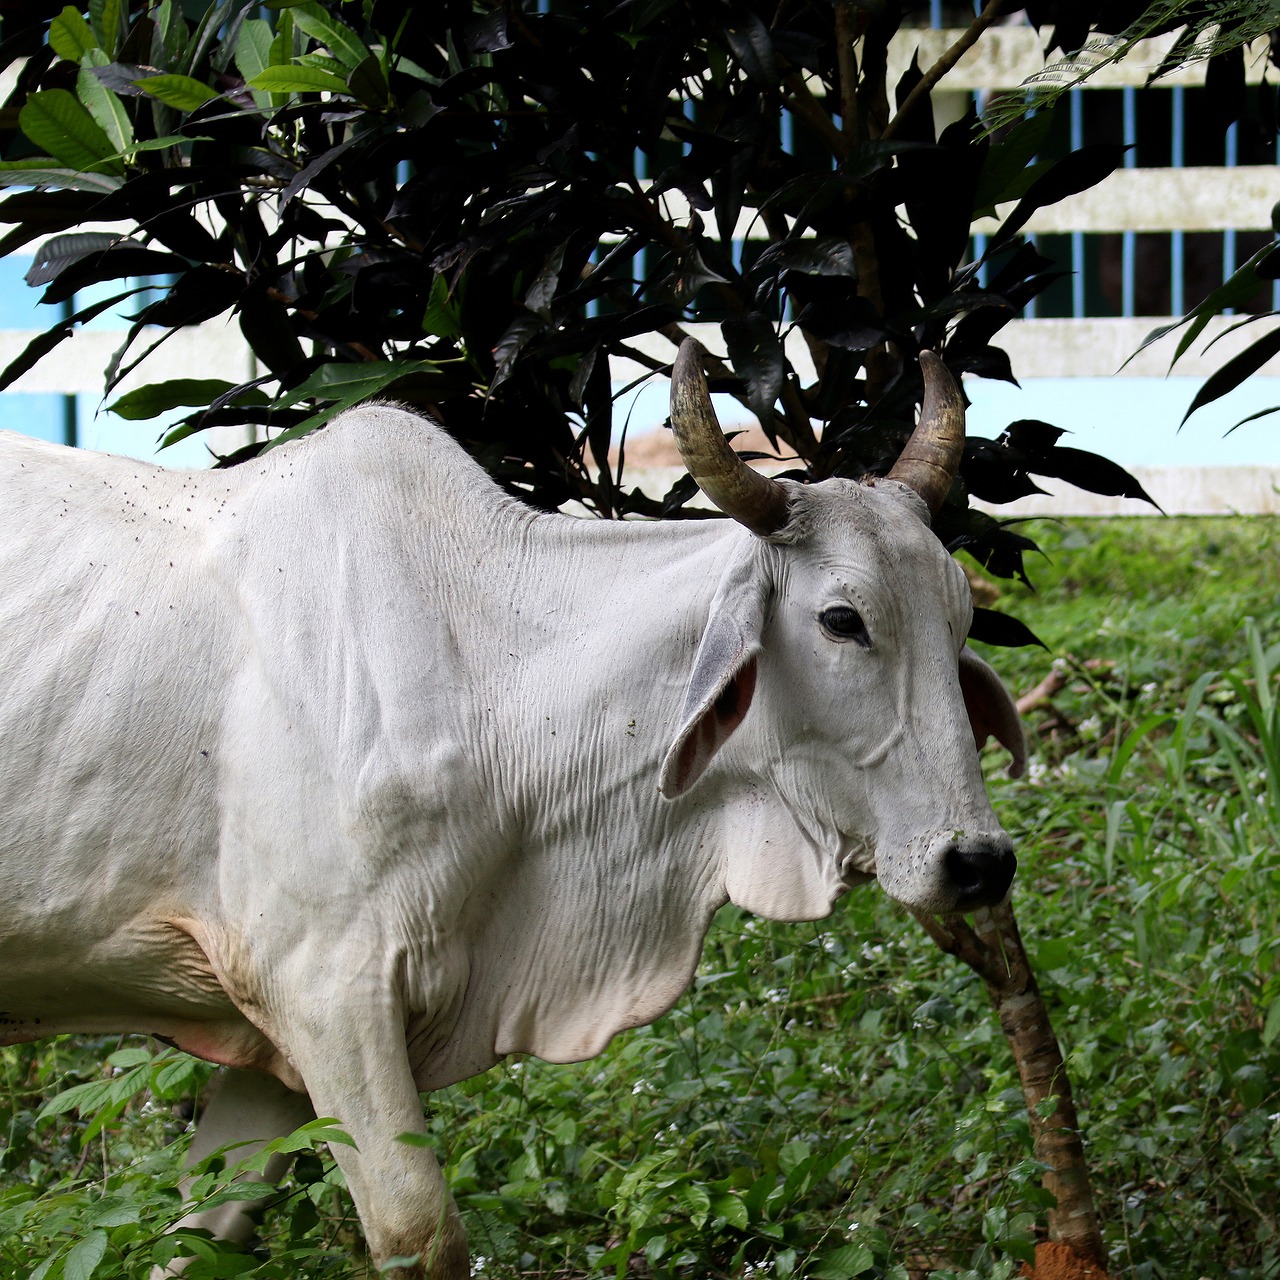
723, 682
992, 712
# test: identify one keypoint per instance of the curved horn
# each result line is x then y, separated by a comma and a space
930, 459
750, 498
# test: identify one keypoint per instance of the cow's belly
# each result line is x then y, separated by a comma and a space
149, 977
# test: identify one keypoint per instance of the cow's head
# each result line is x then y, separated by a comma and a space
834, 675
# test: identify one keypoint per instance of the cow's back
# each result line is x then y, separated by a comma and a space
116, 643
209, 681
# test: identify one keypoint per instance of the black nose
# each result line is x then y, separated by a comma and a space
980, 871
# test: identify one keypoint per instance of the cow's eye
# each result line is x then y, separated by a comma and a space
843, 623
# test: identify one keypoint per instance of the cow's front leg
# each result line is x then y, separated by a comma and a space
239, 1107
356, 1068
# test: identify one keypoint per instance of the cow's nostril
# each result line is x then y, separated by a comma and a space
979, 872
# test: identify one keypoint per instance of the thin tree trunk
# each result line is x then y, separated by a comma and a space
992, 948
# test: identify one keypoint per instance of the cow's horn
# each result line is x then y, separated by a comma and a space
750, 498
931, 458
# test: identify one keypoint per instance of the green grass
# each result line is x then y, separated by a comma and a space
836, 1100
1163, 598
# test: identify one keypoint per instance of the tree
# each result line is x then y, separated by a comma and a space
472, 206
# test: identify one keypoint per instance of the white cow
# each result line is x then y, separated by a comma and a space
345, 767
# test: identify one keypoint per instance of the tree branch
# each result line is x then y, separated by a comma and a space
992, 947
991, 11
799, 100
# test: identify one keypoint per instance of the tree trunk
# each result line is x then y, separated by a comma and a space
992, 948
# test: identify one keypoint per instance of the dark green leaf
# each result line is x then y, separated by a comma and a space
183, 92
59, 252
305, 1137
995, 474
853, 324
1004, 175
691, 274
368, 83
71, 36
109, 19
214, 19
1233, 292
991, 627
1235, 371
844, 1263
441, 317
487, 35
758, 360
748, 39
1090, 471
48, 210
1253, 417
299, 79
39, 213
821, 256
239, 1193
83, 1257
119, 262
1075, 172
19, 174
266, 326
543, 289
348, 381
1032, 435
327, 30
509, 346
160, 397
56, 122
303, 178
253, 50
43, 343
955, 303
581, 375
103, 105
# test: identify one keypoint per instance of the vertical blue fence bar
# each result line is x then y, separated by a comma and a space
640, 263
979, 241
1029, 311
1128, 241
787, 139
1230, 158
1177, 239
1078, 303
70, 415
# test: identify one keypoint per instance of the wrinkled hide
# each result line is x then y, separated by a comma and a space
344, 767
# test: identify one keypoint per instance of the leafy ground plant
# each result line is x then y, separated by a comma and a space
116, 1213
835, 1100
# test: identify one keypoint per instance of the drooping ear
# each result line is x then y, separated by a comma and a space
992, 712
723, 682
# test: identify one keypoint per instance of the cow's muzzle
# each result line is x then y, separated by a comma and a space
978, 870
